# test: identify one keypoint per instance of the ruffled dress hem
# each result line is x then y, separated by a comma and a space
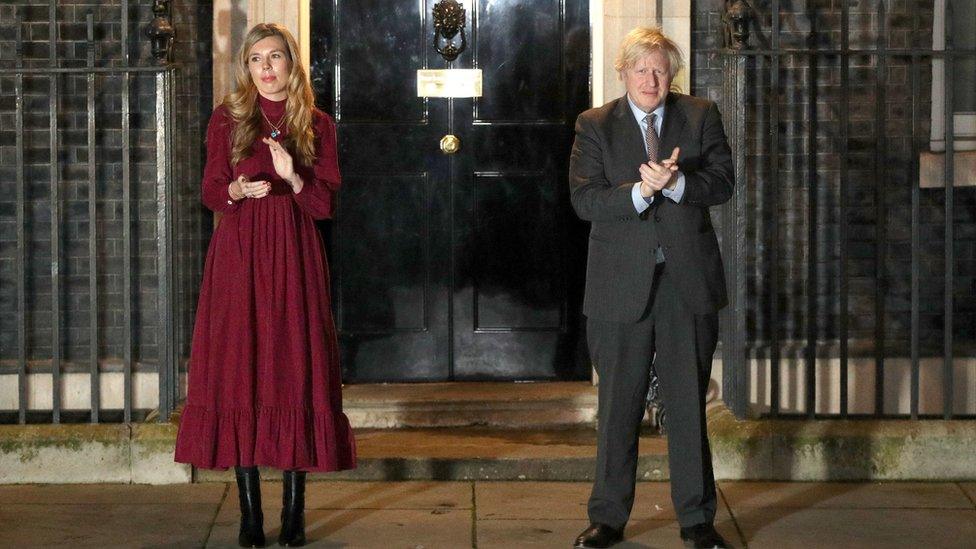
285, 438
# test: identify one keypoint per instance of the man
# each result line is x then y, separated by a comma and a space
654, 279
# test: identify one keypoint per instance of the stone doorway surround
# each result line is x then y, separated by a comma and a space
610, 20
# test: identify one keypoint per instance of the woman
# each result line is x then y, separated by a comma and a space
264, 385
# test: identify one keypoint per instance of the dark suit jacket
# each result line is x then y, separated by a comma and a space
604, 166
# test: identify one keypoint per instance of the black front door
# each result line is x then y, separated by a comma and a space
466, 266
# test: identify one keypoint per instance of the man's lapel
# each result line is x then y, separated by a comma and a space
628, 131
674, 125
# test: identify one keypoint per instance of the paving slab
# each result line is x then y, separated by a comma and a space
129, 494
567, 500
784, 528
105, 525
846, 495
528, 533
533, 500
365, 528
661, 533
426, 514
389, 495
549, 533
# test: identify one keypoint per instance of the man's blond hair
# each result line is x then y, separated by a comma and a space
643, 40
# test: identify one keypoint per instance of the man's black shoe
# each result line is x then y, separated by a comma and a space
702, 536
598, 535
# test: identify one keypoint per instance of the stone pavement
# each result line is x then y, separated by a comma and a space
486, 514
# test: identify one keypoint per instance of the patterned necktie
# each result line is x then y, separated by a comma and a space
651, 138
653, 143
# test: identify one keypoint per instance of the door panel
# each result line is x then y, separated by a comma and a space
388, 291
514, 316
514, 261
379, 52
519, 48
463, 266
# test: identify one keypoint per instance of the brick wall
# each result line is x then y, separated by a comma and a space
871, 177
191, 18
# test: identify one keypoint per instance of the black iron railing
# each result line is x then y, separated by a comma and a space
753, 229
26, 364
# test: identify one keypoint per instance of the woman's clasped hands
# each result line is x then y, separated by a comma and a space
242, 187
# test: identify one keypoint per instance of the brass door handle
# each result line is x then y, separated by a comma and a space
450, 144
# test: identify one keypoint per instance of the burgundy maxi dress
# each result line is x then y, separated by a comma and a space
264, 379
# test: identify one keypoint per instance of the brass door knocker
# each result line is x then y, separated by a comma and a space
449, 19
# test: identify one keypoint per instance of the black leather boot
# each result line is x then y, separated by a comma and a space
292, 509
252, 519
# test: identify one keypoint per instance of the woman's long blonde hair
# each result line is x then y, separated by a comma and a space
242, 103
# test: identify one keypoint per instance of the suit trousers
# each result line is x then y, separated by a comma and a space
681, 345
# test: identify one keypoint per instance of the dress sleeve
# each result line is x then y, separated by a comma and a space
321, 180
218, 173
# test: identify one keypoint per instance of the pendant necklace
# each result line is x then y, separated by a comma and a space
275, 128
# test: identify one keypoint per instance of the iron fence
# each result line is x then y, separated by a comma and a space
26, 364
757, 101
